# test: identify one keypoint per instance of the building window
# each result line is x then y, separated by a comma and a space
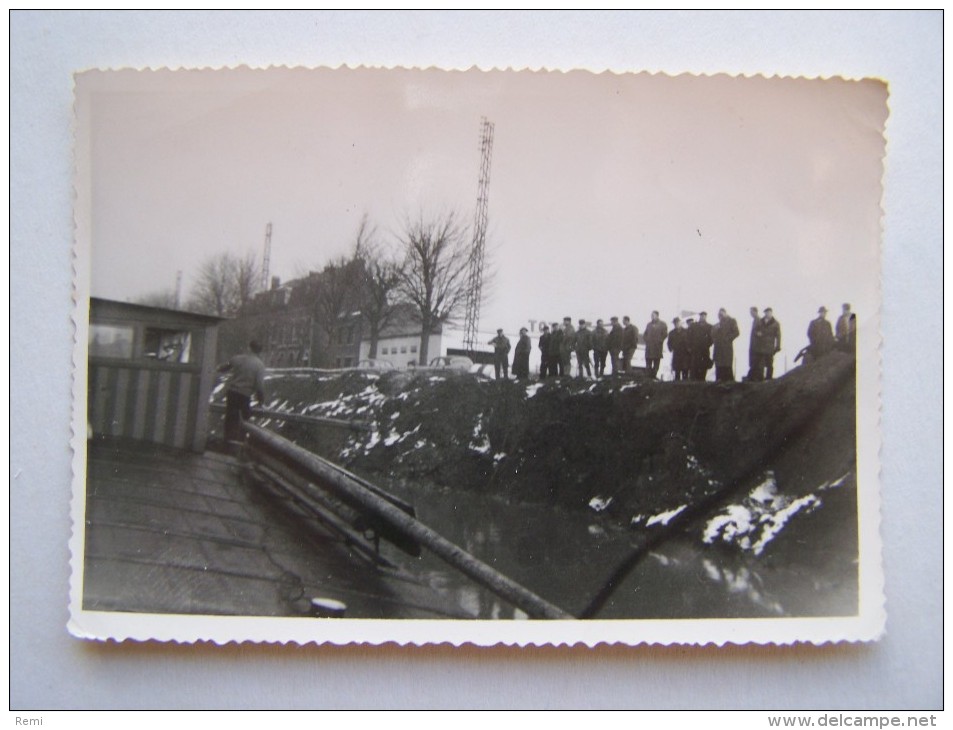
383, 351
350, 335
403, 349
167, 345
413, 348
106, 340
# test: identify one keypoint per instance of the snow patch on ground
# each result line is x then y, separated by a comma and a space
597, 504
533, 389
761, 516
665, 517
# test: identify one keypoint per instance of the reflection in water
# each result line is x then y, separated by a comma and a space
566, 557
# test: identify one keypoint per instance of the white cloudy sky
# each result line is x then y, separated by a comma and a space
609, 194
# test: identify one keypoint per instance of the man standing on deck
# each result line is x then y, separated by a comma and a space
655, 333
247, 379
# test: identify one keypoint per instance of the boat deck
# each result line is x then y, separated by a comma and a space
171, 531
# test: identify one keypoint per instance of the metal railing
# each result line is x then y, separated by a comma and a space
354, 507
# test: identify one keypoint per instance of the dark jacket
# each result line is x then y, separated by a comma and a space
655, 334
583, 341
600, 339
699, 342
723, 335
678, 346
555, 344
615, 338
630, 337
544, 345
568, 342
767, 337
521, 356
501, 346
821, 337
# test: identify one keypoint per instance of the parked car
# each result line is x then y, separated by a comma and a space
452, 362
483, 370
375, 366
445, 364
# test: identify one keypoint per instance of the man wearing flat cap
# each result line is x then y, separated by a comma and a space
501, 352
820, 334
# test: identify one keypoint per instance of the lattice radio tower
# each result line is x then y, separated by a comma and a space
266, 260
475, 274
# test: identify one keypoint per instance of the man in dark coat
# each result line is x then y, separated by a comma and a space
723, 335
655, 333
615, 344
600, 347
755, 333
699, 340
501, 352
630, 340
555, 347
820, 335
521, 355
544, 350
678, 346
583, 345
566, 347
768, 343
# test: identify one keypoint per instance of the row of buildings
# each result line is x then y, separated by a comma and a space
284, 319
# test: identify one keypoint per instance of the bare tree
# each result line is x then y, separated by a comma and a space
380, 278
247, 279
434, 274
225, 284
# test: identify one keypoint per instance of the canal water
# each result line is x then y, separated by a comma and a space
567, 557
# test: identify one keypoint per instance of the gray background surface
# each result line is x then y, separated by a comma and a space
49, 669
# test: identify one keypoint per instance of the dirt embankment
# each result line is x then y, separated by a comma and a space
625, 447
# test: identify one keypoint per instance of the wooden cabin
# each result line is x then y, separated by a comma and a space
151, 372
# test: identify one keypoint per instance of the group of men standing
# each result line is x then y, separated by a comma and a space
616, 345
691, 347
696, 346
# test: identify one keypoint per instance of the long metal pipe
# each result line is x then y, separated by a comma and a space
355, 493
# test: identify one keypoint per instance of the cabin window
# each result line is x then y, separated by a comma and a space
109, 340
167, 345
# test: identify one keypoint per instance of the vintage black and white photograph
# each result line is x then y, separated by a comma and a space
524, 356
